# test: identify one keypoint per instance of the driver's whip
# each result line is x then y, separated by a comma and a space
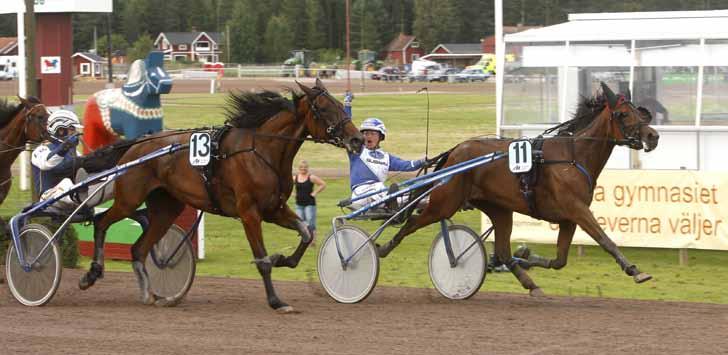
427, 134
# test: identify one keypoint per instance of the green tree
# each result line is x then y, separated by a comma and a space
294, 14
244, 38
118, 42
434, 22
368, 21
317, 24
140, 48
277, 40
135, 19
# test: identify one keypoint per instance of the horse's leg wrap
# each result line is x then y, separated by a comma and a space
143, 279
89, 279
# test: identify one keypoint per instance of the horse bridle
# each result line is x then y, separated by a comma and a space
334, 130
30, 117
631, 140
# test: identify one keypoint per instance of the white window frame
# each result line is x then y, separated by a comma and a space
415, 56
198, 48
183, 47
85, 69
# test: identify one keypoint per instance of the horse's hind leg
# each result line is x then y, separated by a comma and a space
444, 202
566, 234
503, 222
589, 224
288, 219
163, 210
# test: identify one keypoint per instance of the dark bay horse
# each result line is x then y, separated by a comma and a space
564, 190
251, 179
19, 124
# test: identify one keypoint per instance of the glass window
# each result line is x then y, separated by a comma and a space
715, 84
666, 77
531, 83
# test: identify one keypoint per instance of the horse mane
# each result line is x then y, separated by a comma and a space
8, 111
588, 109
252, 109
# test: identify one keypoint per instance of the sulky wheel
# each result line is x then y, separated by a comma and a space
171, 266
464, 279
356, 281
36, 286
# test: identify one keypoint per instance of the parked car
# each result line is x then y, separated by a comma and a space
472, 75
388, 74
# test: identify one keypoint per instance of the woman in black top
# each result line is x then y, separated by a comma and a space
307, 187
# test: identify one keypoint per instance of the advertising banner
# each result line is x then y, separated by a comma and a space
648, 208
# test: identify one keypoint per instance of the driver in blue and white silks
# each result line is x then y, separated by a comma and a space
369, 169
53, 163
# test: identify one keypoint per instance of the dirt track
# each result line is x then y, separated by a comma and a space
230, 316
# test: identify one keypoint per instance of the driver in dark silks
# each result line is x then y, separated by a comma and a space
55, 161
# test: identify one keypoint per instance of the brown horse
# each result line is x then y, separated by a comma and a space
19, 124
251, 179
564, 189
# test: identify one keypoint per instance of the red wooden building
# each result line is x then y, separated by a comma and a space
88, 64
403, 49
190, 46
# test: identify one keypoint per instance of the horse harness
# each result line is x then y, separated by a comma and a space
207, 172
528, 180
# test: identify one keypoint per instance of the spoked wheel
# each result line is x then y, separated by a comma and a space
353, 283
37, 286
464, 280
171, 266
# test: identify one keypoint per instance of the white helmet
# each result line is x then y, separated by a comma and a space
373, 124
62, 119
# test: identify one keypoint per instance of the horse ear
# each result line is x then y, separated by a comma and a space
609, 95
23, 101
307, 90
320, 85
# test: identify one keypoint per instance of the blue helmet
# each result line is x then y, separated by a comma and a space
373, 124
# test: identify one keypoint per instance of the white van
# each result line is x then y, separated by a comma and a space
427, 70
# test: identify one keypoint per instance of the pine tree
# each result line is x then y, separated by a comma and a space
244, 38
278, 39
317, 24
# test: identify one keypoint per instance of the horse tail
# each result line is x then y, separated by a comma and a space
441, 159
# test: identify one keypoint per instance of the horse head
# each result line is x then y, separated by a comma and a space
630, 123
326, 119
148, 77
35, 119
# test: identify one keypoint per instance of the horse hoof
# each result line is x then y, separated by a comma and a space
84, 284
642, 277
148, 299
286, 310
536, 292
166, 302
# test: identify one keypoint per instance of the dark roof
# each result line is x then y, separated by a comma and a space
462, 48
90, 56
8, 45
399, 42
188, 37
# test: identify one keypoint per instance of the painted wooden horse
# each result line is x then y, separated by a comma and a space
133, 110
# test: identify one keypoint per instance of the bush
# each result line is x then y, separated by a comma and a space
69, 242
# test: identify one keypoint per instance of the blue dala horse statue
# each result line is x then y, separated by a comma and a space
131, 111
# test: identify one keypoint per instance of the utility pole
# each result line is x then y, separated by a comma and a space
110, 84
227, 43
31, 82
348, 49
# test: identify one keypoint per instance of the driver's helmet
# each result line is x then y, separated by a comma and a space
373, 124
62, 119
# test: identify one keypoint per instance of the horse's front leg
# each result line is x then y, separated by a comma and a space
286, 218
250, 217
566, 235
589, 224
